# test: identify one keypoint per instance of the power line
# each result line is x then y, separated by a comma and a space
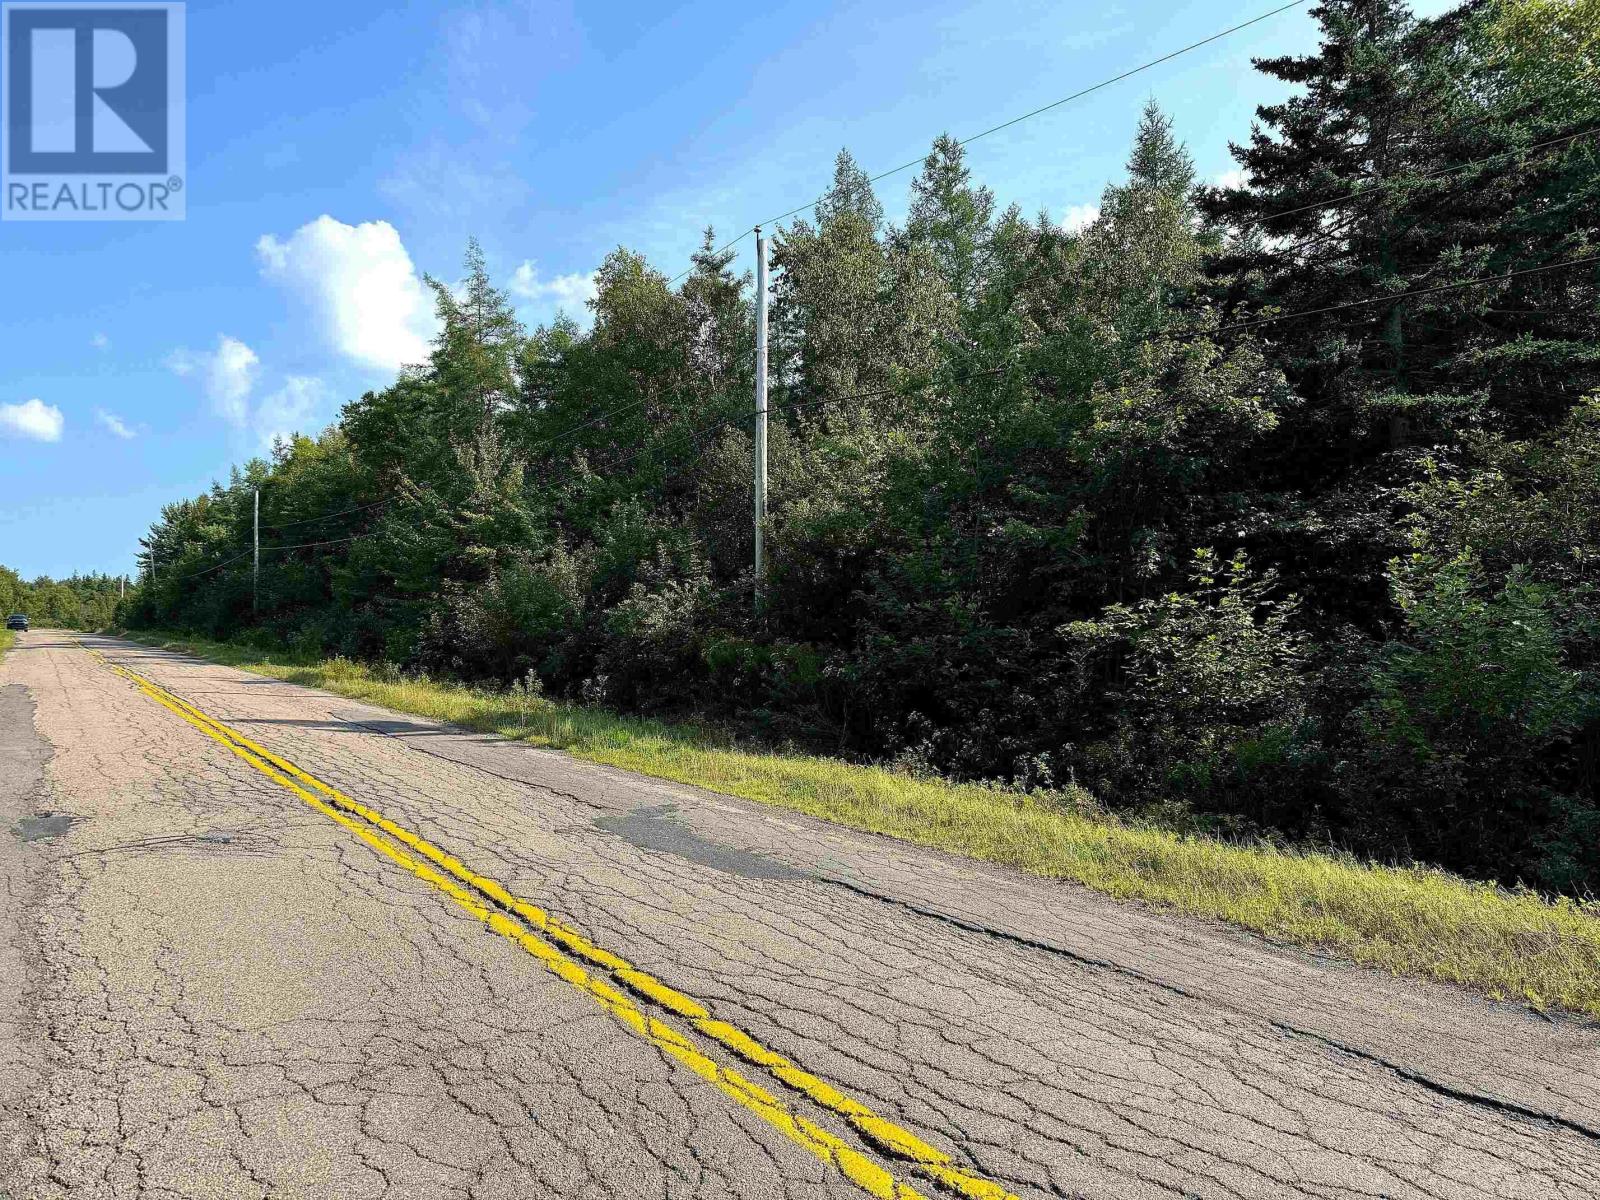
699, 435
1360, 193
309, 545
1398, 296
216, 567
266, 550
1078, 95
273, 549
1044, 108
330, 516
601, 418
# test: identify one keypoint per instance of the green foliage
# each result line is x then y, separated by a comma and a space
994, 447
1477, 740
1473, 664
1212, 690
1549, 50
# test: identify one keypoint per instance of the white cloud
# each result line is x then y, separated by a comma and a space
100, 342
291, 409
227, 374
32, 419
1079, 217
113, 424
1231, 179
570, 293
361, 286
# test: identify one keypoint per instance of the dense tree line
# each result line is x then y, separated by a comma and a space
1234, 506
80, 602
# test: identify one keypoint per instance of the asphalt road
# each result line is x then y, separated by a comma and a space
257, 940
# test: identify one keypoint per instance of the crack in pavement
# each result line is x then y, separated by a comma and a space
1466, 1095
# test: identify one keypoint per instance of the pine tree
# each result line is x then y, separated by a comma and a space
721, 321
1356, 192
1141, 257
828, 317
474, 359
1159, 162
953, 218
851, 194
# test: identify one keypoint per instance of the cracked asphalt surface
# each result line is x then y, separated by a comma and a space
208, 988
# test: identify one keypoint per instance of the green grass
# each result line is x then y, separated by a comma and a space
1406, 920
8, 638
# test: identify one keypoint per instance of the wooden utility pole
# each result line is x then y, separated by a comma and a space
761, 412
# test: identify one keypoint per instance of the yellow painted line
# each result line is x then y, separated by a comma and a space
889, 1137
855, 1166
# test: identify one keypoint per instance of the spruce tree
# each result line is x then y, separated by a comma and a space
1362, 187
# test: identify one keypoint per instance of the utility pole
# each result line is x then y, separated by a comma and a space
255, 574
761, 411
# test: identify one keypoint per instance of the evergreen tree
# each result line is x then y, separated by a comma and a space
827, 315
952, 218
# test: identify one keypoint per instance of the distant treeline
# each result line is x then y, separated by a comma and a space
1271, 508
80, 602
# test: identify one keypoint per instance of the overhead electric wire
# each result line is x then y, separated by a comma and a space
1406, 295
1078, 95
1043, 108
276, 549
1358, 193
343, 512
266, 550
213, 567
1361, 193
700, 434
1352, 195
596, 420
309, 545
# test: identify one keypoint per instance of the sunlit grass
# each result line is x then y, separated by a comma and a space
1406, 920
8, 638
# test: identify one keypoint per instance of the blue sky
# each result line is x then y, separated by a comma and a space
336, 151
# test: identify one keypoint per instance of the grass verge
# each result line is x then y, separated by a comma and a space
8, 638
1510, 945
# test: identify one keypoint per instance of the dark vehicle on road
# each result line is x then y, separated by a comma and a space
18, 621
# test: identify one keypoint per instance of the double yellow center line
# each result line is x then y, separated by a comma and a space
563, 951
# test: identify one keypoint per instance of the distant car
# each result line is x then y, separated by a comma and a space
17, 621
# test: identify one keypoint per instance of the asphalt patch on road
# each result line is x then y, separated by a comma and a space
655, 829
23, 755
44, 825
